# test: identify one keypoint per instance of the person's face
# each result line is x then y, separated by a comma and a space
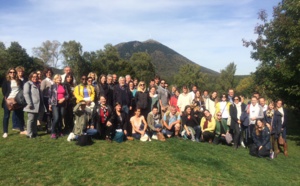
262, 102
82, 106
102, 100
103, 79
12, 73
224, 98
156, 81
20, 73
206, 113
166, 85
138, 112
256, 95
214, 95
135, 82
173, 111
162, 84
185, 90
219, 116
89, 81
69, 79
131, 86
154, 111
142, 85
188, 110
205, 93
152, 83
253, 101
49, 74
271, 106
194, 88
173, 89
279, 104
236, 100
84, 80
259, 124
93, 75
58, 80
34, 78
67, 70
118, 108
115, 77
177, 93
230, 93
198, 94
39, 74
109, 80
152, 90
242, 99
128, 79
122, 81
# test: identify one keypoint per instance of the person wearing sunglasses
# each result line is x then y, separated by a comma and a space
221, 130
86, 92
10, 88
142, 99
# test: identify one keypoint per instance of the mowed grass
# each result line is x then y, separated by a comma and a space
44, 161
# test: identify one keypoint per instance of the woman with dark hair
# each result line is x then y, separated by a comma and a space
45, 87
101, 119
119, 122
261, 138
35, 106
70, 102
190, 124
142, 99
198, 100
135, 83
10, 88
208, 126
236, 109
58, 95
154, 98
101, 88
139, 124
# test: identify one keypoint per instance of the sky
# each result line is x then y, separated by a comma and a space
208, 32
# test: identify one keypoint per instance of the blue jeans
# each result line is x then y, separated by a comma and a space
57, 113
198, 132
125, 109
19, 114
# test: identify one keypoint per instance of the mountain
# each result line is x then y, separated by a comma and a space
166, 61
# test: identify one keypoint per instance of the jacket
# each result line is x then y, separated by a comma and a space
6, 89
81, 120
233, 114
117, 123
123, 96
53, 94
150, 121
78, 92
142, 99
96, 119
211, 125
263, 139
33, 97
101, 90
218, 127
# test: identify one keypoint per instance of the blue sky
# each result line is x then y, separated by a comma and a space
208, 32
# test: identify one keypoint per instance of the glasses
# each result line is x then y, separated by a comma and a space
142, 84
12, 72
162, 83
89, 80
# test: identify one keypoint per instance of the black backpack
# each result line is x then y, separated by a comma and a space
84, 140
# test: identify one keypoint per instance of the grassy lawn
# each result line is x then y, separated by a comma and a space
44, 161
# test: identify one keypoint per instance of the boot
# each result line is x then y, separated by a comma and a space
285, 147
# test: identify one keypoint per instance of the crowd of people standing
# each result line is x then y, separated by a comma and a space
116, 108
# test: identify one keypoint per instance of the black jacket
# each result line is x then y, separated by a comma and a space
96, 119
233, 114
117, 123
122, 95
142, 99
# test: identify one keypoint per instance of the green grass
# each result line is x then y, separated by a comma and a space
44, 161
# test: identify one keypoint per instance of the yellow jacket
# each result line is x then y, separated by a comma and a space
218, 109
78, 92
211, 125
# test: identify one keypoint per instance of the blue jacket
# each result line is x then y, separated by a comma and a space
263, 139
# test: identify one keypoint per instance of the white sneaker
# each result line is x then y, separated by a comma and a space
4, 135
242, 144
154, 137
71, 136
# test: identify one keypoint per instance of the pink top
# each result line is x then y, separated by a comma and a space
60, 92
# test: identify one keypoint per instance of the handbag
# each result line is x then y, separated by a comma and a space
280, 140
228, 138
84, 140
11, 104
160, 136
144, 137
20, 99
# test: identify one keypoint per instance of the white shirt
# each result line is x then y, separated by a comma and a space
14, 89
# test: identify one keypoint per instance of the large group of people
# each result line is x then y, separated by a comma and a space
115, 108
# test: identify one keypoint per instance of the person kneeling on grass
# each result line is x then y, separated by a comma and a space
119, 122
171, 123
261, 138
221, 130
208, 125
154, 123
139, 124
82, 117
190, 124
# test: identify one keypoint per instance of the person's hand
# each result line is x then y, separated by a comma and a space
125, 132
239, 122
223, 135
142, 133
50, 108
108, 124
61, 100
259, 147
188, 132
130, 108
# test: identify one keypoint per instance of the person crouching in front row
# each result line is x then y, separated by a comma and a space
208, 125
82, 117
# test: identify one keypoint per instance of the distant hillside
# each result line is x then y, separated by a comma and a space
166, 61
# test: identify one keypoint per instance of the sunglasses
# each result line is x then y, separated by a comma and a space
142, 84
12, 72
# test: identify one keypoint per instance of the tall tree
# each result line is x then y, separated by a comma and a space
142, 66
277, 47
190, 75
226, 79
49, 52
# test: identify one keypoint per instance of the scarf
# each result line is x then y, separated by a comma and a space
207, 119
239, 109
